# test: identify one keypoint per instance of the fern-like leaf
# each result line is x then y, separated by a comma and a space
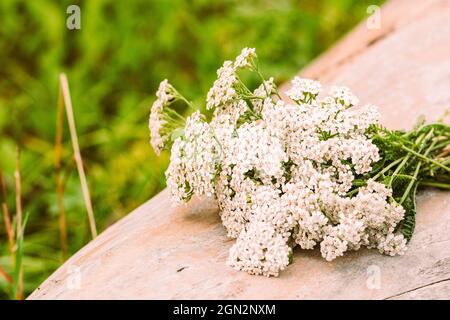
408, 224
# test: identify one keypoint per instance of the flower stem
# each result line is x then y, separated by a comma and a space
435, 184
392, 164
425, 158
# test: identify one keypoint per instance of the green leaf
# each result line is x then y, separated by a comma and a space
408, 224
19, 257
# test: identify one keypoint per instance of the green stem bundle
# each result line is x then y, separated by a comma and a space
410, 160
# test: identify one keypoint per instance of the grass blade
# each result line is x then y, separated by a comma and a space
5, 275
77, 153
7, 216
18, 192
58, 181
18, 267
18, 285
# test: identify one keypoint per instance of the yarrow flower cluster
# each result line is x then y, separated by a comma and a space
315, 171
193, 160
164, 120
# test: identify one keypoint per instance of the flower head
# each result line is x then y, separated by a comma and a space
158, 135
245, 59
343, 96
193, 163
166, 92
223, 90
163, 120
304, 90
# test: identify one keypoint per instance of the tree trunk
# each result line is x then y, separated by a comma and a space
160, 251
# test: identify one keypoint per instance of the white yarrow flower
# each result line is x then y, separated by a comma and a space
283, 174
245, 59
304, 90
222, 90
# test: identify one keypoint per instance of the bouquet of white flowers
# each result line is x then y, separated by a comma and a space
314, 171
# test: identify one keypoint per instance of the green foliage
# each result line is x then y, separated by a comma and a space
408, 224
410, 160
114, 64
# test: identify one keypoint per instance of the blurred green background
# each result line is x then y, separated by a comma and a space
114, 65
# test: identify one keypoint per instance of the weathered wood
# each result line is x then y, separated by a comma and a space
159, 251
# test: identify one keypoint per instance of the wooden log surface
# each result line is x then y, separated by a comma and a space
159, 251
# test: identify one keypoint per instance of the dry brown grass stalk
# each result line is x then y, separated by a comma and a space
7, 216
19, 295
77, 153
58, 180
5, 275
